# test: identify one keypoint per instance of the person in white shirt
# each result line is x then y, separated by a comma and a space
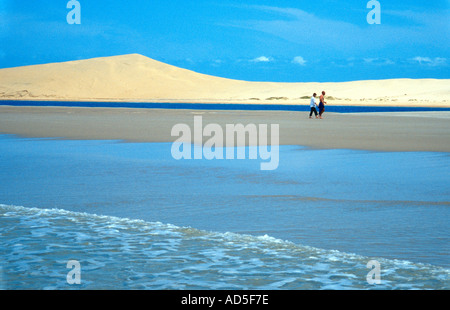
313, 106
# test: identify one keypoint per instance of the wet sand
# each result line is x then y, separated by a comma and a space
411, 131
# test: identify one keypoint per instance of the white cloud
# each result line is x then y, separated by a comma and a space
345, 35
217, 62
422, 59
378, 61
261, 59
299, 60
437, 61
300, 27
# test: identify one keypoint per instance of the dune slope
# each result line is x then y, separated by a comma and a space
135, 77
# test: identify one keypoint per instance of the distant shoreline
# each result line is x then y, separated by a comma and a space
302, 107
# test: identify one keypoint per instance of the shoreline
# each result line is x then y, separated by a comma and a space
280, 102
391, 132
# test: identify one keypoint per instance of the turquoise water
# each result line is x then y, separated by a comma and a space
135, 218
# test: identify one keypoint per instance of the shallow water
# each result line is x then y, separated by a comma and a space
220, 106
136, 218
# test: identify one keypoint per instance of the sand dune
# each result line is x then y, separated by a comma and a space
138, 78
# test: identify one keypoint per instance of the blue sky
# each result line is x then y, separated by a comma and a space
281, 41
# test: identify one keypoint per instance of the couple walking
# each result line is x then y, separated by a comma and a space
313, 105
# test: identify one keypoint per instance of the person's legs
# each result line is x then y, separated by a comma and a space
321, 109
313, 110
321, 112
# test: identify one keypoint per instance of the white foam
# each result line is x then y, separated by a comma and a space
188, 256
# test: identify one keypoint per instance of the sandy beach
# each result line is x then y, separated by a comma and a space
136, 78
418, 131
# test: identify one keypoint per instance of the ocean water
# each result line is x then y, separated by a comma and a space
135, 218
220, 106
